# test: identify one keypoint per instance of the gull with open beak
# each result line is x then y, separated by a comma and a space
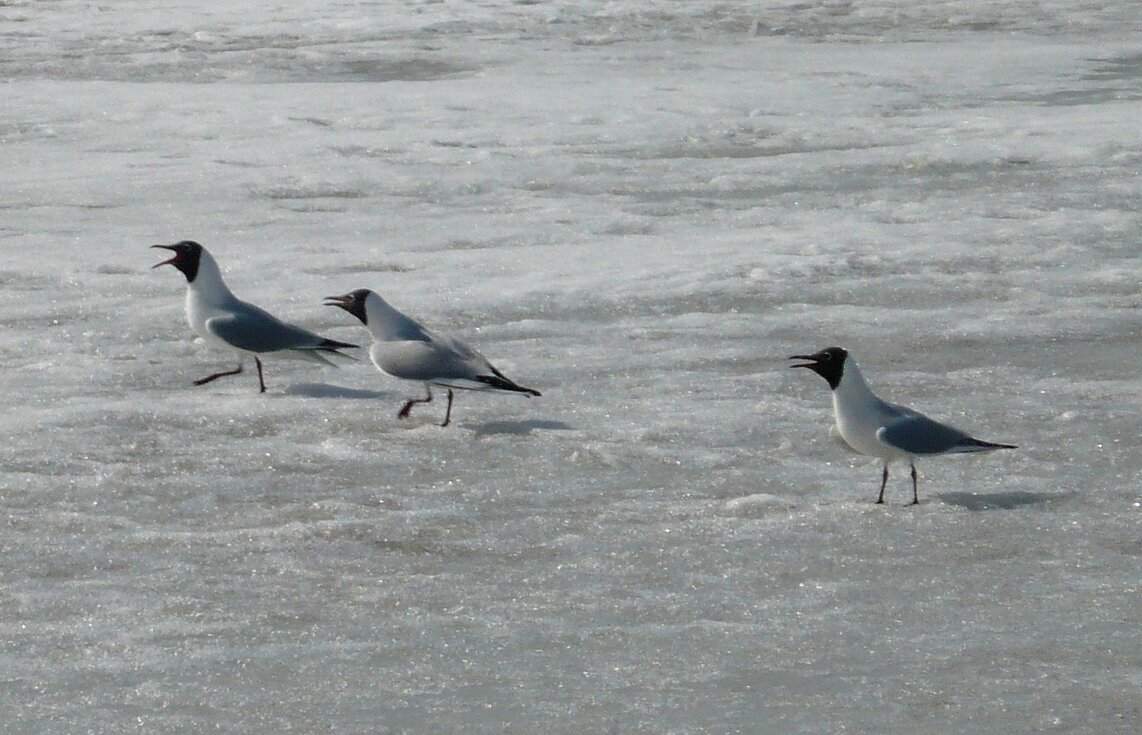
880, 429
404, 348
228, 323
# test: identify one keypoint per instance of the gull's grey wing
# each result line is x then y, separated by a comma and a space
258, 331
425, 361
444, 361
918, 434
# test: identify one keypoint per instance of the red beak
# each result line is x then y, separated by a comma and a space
169, 261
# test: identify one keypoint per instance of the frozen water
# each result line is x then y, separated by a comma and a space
640, 209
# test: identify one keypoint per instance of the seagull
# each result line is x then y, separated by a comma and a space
404, 348
880, 429
226, 322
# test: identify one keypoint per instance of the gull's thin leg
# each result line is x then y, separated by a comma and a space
915, 496
261, 380
404, 412
216, 376
883, 482
448, 412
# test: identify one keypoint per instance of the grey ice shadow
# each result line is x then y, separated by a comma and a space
1000, 501
522, 428
325, 390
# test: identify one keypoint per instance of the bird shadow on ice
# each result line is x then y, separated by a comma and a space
325, 390
522, 428
1000, 501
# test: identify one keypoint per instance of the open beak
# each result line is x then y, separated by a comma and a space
341, 301
813, 361
168, 261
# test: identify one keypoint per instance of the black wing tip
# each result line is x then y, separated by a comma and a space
332, 345
993, 445
499, 381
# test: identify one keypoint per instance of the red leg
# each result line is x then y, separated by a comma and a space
216, 376
448, 413
883, 482
407, 409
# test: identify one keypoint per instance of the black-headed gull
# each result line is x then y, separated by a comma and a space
228, 323
404, 348
877, 428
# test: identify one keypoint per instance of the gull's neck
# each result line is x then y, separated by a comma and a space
389, 325
208, 285
853, 392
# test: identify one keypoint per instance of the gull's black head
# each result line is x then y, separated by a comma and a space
829, 363
187, 255
352, 302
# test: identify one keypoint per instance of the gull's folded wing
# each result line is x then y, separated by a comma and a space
921, 435
253, 332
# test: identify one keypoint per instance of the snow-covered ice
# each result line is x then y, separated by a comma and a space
640, 209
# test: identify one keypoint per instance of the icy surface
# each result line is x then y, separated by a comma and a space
640, 209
